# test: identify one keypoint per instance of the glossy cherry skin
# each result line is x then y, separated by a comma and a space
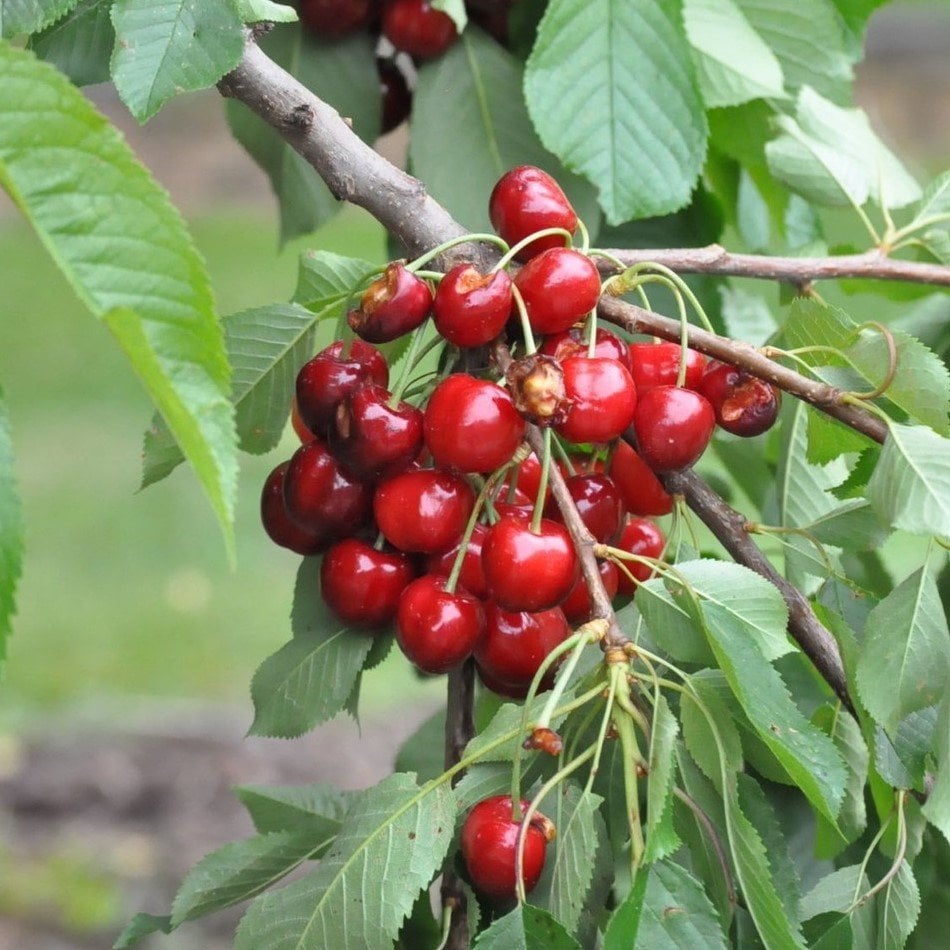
417, 28
577, 607
658, 364
527, 199
299, 426
423, 510
471, 308
744, 404
361, 585
603, 399
372, 439
436, 629
529, 479
471, 425
392, 305
336, 18
598, 503
490, 848
322, 496
472, 576
673, 427
572, 343
395, 97
639, 487
514, 646
560, 286
643, 537
528, 571
280, 528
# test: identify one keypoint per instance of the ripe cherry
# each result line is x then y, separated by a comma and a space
490, 847
603, 399
299, 426
639, 487
472, 308
527, 199
472, 576
361, 585
423, 510
527, 570
673, 427
560, 286
658, 364
335, 18
437, 629
529, 478
471, 425
744, 404
643, 537
391, 306
326, 380
598, 503
278, 524
395, 97
417, 28
577, 607
572, 343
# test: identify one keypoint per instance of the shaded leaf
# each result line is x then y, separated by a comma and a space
11, 532
661, 838
937, 807
698, 723
747, 315
898, 907
317, 807
526, 928
934, 205
28, 16
80, 43
829, 439
853, 525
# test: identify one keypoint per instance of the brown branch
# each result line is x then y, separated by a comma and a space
713, 259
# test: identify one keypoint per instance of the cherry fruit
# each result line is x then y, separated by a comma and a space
417, 28
391, 306
395, 97
658, 364
560, 286
673, 427
471, 308
643, 537
336, 18
299, 426
639, 487
572, 343
744, 404
578, 605
472, 576
598, 503
280, 528
603, 399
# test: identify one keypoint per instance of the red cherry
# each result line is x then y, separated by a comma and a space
514, 646
423, 510
529, 479
372, 439
598, 503
639, 487
744, 404
326, 380
436, 629
417, 28
658, 364
335, 18
603, 396
361, 585
490, 847
278, 524
395, 97
472, 576
392, 305
472, 308
673, 427
572, 343
560, 286
639, 536
577, 607
471, 425
322, 496
527, 199
299, 426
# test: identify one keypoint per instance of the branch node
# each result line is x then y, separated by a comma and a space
299, 118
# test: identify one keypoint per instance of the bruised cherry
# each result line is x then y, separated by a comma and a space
673, 427
391, 306
744, 404
471, 308
603, 399
280, 528
658, 364
559, 286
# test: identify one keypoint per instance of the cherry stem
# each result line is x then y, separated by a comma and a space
630, 759
632, 276
538, 512
525, 322
412, 357
590, 632
585, 237
565, 456
509, 255
455, 242
892, 360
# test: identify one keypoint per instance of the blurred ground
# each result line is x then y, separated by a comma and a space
125, 698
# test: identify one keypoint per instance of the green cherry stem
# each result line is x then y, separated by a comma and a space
564, 456
525, 322
538, 512
585, 237
589, 633
455, 242
414, 354
631, 759
509, 256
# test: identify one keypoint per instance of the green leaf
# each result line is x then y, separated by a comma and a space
604, 77
423, 752
661, 838
898, 907
142, 925
699, 715
168, 47
308, 680
11, 531
829, 439
326, 279
391, 845
254, 11
853, 525
29, 16
468, 113
317, 807
835, 893
526, 928
906, 646
80, 43
855, 14
748, 317
855, 485
937, 807
716, 30
934, 205
455, 9
128, 256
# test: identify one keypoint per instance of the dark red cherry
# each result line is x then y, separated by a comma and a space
326, 380
744, 404
525, 570
577, 607
361, 585
515, 645
322, 496
560, 286
673, 427
639, 487
395, 97
658, 364
299, 426
423, 510
278, 524
392, 305
472, 577
471, 425
529, 479
572, 343
436, 629
603, 399
417, 28
527, 199
598, 503
373, 439
643, 537
472, 308
490, 847
335, 18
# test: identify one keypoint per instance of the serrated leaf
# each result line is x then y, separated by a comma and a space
700, 715
661, 838
166, 47
142, 925
526, 928
255, 11
11, 531
898, 907
493, 743
391, 845
937, 807
318, 807
644, 143
854, 526
835, 892
325, 280
80, 43
455, 9
29, 16
855, 485
829, 439
934, 205
906, 646
911, 744
128, 256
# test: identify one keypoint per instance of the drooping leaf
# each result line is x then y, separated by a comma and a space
906, 647
526, 928
937, 807
254, 11
142, 925
80, 43
905, 753
390, 846
11, 532
835, 893
639, 50
661, 838
316, 808
126, 253
30, 16
898, 907
709, 731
